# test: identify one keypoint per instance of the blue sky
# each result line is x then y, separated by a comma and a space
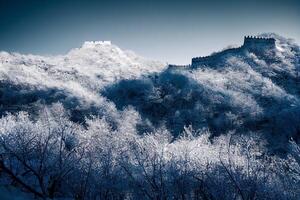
171, 31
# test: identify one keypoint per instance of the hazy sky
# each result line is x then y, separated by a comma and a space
172, 31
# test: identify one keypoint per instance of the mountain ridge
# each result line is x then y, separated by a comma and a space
100, 79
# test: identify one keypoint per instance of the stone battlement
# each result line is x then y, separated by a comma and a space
251, 43
212, 58
258, 42
89, 44
178, 66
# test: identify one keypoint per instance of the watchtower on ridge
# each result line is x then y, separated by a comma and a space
255, 43
251, 43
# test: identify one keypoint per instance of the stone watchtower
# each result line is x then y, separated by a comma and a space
258, 43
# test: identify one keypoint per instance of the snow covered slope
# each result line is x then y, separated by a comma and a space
103, 123
245, 91
81, 71
75, 78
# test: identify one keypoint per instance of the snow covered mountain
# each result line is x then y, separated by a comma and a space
243, 90
74, 79
240, 89
103, 123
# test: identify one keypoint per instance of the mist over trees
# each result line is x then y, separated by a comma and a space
103, 123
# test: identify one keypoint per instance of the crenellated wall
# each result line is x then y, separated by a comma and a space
208, 60
178, 66
251, 43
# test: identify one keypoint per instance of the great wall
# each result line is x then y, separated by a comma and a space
251, 43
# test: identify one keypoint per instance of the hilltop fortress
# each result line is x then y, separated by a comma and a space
251, 44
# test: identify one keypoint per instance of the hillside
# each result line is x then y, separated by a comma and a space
74, 79
245, 90
131, 128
